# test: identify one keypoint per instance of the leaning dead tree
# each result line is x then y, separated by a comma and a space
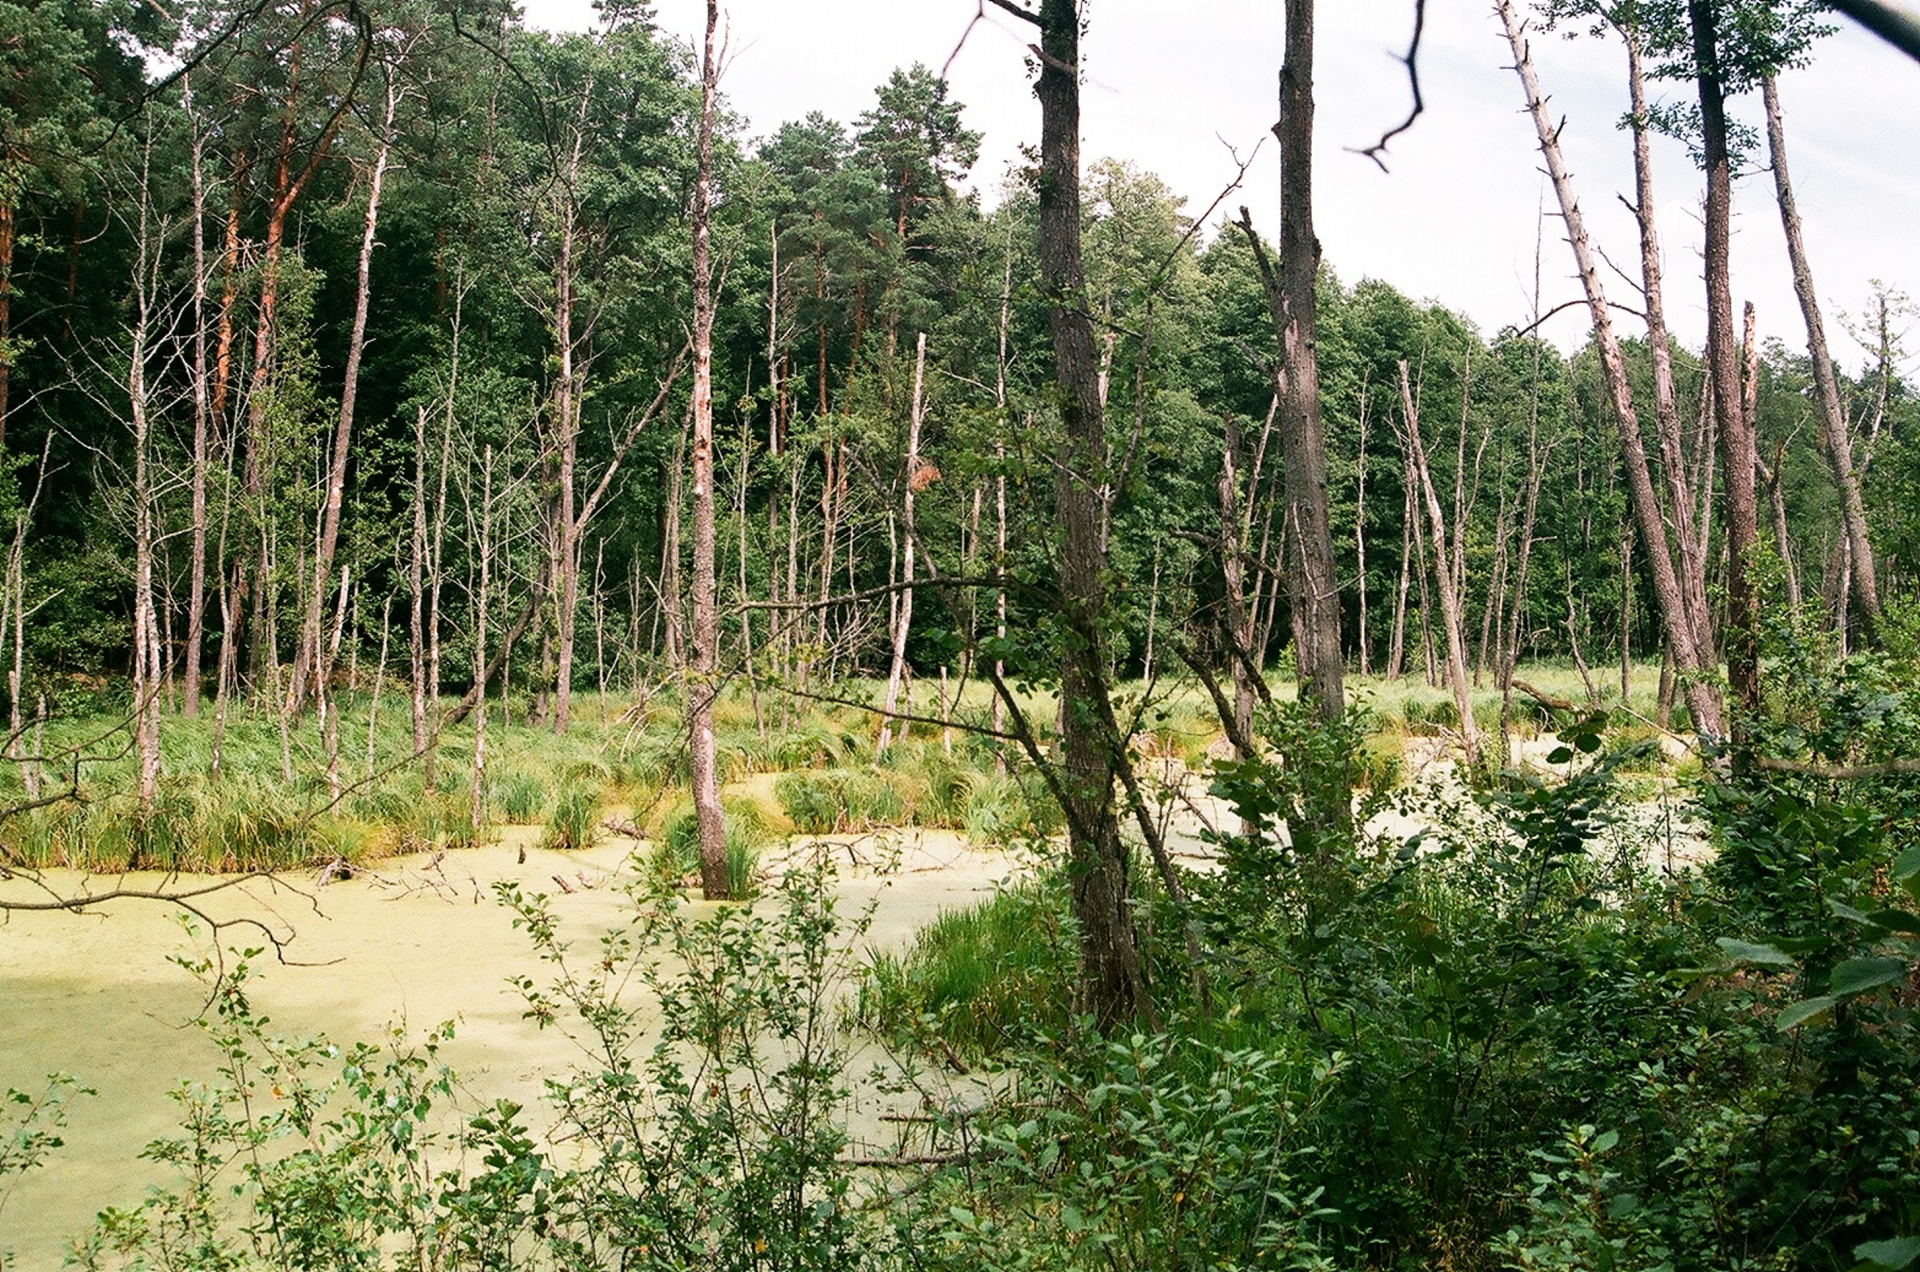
1682, 640
1835, 427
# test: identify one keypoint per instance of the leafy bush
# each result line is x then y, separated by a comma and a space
1146, 1152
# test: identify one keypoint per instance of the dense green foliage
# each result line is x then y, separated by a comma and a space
839, 244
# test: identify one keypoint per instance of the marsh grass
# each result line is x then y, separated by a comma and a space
814, 765
575, 820
675, 856
521, 798
984, 977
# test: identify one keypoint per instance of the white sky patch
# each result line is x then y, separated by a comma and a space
1171, 88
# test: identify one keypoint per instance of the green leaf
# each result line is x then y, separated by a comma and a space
1894, 1254
1907, 864
1747, 952
1858, 975
1897, 921
1800, 1013
1605, 1141
1850, 914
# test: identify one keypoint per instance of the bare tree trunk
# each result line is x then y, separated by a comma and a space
1443, 578
197, 566
674, 626
146, 632
1000, 486
327, 704
1235, 623
1111, 982
1312, 589
1360, 534
563, 565
1833, 419
701, 685
379, 682
438, 531
1397, 647
1626, 611
478, 798
903, 616
416, 583
1736, 438
308, 661
1691, 571
1681, 637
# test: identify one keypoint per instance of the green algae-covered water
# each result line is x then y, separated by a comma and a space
418, 942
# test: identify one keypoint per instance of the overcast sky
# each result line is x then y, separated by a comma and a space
1172, 86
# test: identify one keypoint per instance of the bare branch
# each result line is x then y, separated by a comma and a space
1412, 62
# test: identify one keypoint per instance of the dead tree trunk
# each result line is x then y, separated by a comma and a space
1443, 578
482, 599
197, 565
1691, 571
1681, 638
903, 610
146, 631
1736, 438
310, 666
1833, 419
701, 684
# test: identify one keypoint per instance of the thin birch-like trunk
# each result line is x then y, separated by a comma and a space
701, 685
1443, 578
903, 610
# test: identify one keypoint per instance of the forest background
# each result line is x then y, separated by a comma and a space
412, 350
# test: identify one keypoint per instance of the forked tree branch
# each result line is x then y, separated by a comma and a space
1412, 62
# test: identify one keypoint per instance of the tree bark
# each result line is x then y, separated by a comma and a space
1681, 639
1691, 571
146, 632
1312, 588
310, 667
701, 683
416, 584
903, 616
197, 565
1833, 418
1443, 579
1111, 983
1736, 437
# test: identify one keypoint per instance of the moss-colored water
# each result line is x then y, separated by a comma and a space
94, 995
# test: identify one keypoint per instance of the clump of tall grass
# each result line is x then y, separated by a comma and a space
934, 787
521, 798
574, 822
1007, 807
234, 826
832, 800
676, 853
982, 978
